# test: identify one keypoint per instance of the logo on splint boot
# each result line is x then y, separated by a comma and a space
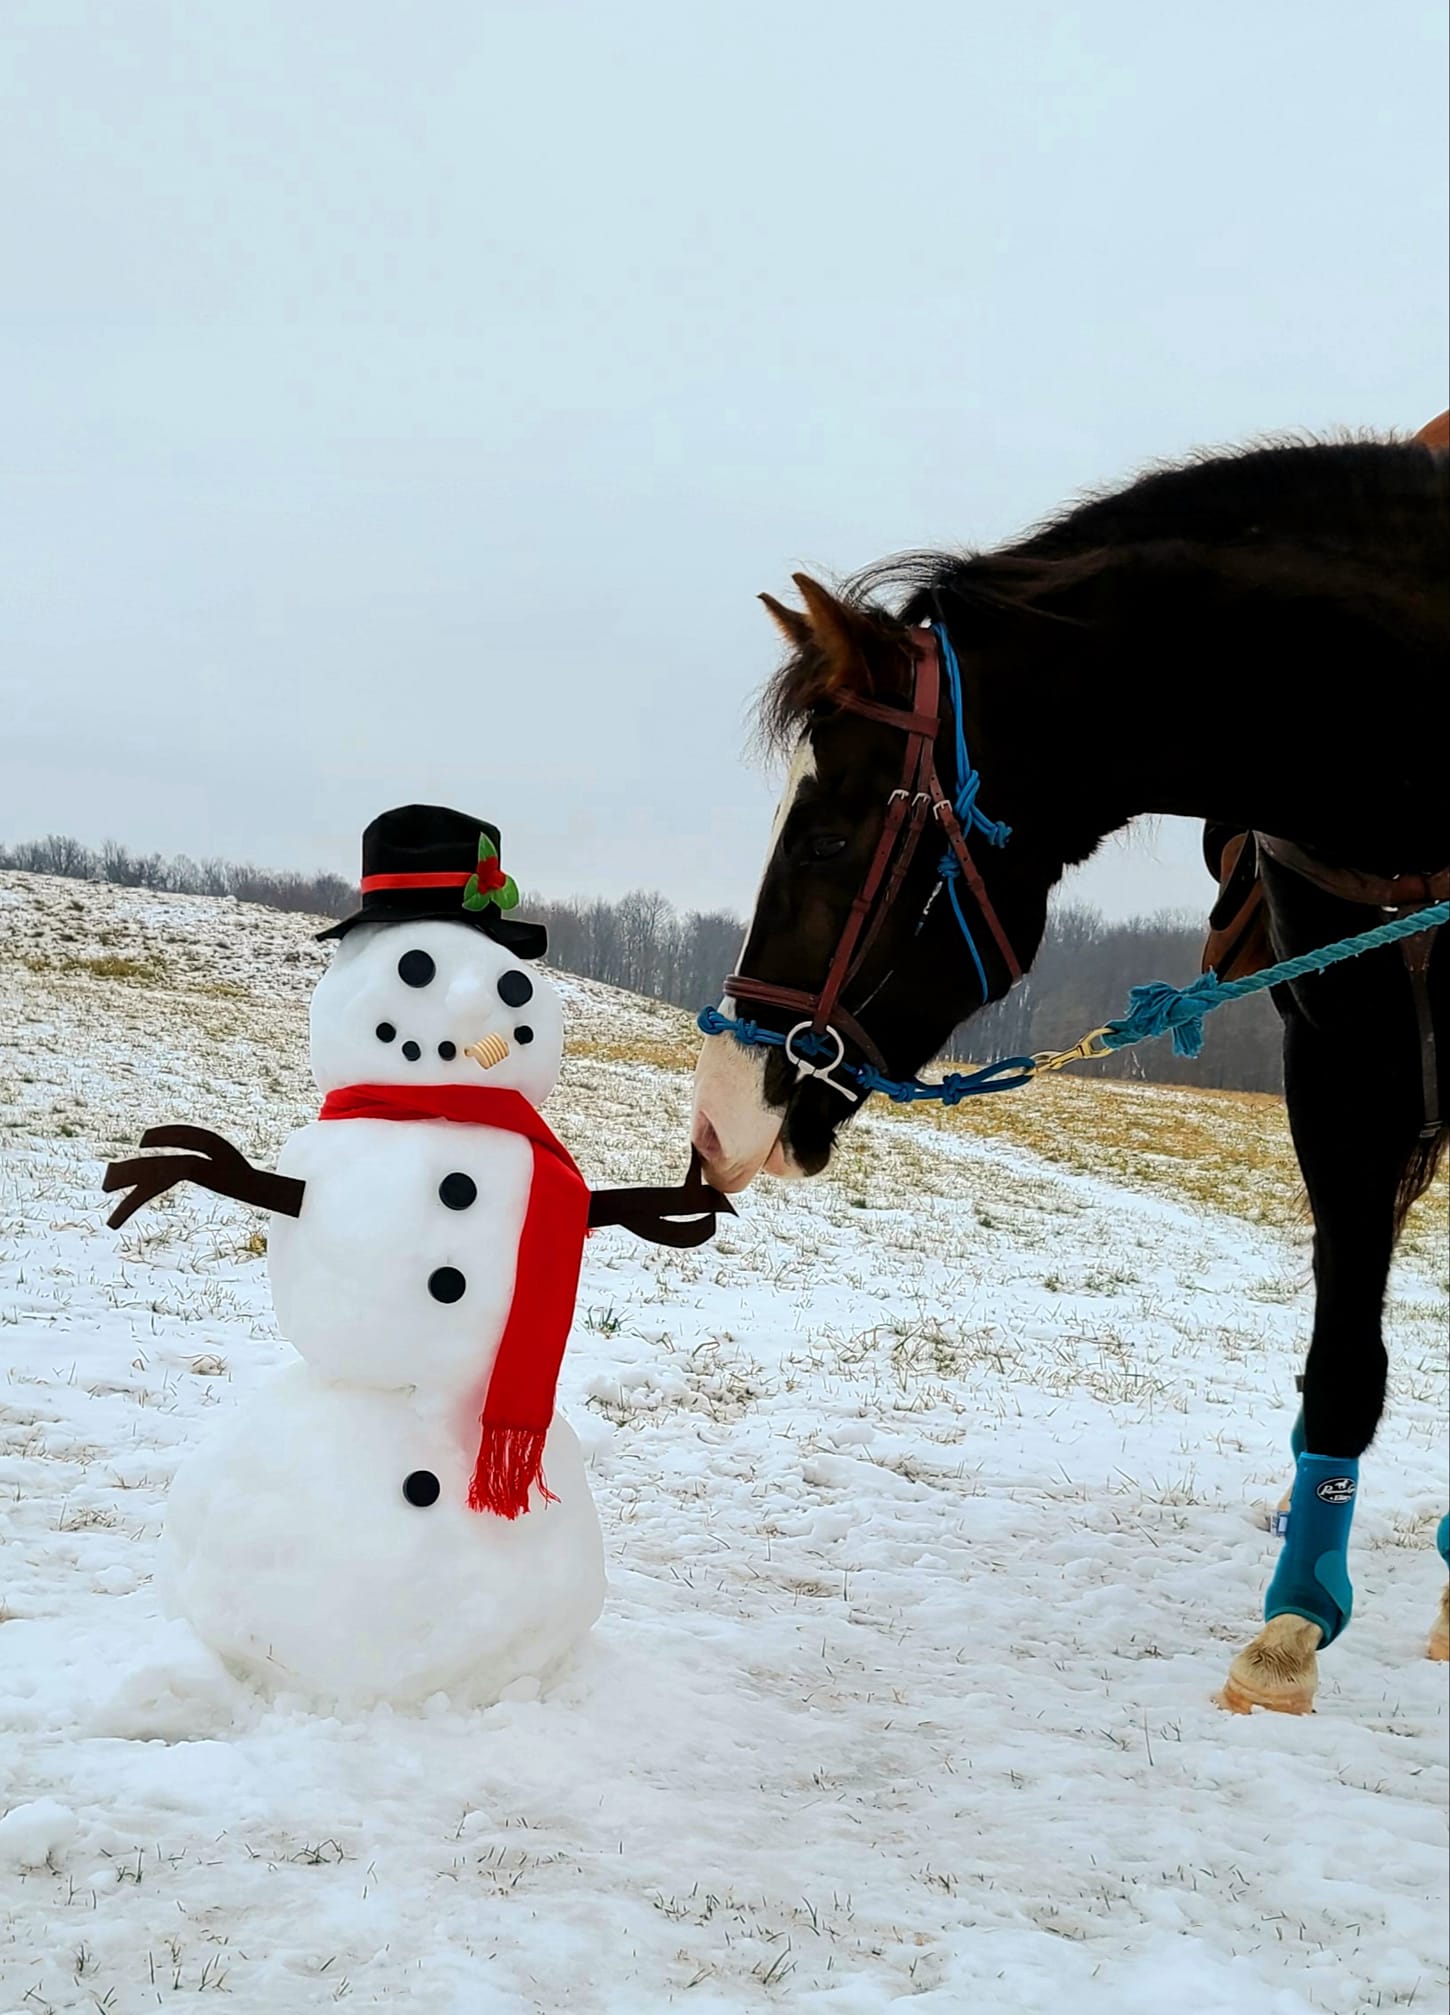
1336, 1490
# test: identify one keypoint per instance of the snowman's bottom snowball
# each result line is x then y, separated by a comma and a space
291, 1550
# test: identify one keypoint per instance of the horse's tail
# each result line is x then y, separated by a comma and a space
1420, 1171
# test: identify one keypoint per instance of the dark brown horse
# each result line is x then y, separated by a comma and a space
1259, 639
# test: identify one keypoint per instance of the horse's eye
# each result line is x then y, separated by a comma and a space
824, 846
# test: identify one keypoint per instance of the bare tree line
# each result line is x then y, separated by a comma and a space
1081, 978
320, 895
641, 942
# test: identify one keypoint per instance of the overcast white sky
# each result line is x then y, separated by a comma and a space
408, 401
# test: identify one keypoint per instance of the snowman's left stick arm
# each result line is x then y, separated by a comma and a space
215, 1165
656, 1214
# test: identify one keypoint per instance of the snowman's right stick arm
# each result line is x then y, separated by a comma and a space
216, 1165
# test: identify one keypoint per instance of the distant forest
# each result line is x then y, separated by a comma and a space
642, 942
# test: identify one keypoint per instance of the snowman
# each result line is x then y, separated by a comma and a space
403, 1512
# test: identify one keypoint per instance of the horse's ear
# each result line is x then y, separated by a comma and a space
843, 635
793, 625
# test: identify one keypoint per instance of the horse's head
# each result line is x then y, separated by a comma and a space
854, 919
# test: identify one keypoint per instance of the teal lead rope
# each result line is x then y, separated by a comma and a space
1153, 1010
1158, 1009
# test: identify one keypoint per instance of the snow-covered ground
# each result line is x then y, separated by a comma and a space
933, 1495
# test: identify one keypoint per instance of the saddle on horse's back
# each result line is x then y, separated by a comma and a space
1238, 936
1238, 932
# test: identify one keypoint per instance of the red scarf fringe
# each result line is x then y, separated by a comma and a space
510, 1465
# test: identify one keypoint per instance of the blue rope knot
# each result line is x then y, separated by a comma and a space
969, 780
994, 831
1160, 1009
970, 816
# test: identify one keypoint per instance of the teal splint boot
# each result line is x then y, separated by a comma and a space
1312, 1578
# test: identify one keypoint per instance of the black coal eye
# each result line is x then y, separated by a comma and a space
415, 969
385, 1031
824, 847
515, 988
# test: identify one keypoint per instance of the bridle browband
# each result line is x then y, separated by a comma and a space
918, 796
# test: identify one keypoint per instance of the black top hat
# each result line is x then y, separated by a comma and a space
427, 862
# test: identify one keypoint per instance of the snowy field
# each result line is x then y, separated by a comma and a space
933, 1496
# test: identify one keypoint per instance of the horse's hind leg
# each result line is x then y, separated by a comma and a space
1439, 1645
1351, 1142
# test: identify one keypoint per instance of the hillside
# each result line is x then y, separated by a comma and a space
933, 1494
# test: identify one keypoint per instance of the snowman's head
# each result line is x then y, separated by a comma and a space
406, 1003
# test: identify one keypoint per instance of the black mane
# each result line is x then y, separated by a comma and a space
1357, 495
1329, 519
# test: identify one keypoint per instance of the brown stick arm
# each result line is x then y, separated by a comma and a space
655, 1214
213, 1164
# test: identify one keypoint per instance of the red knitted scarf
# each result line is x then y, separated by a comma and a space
519, 1403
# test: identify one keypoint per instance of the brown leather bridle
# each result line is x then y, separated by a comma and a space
918, 796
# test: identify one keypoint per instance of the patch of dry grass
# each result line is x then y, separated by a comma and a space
1228, 1151
666, 1051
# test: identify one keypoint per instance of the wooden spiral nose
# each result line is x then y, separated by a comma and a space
488, 1051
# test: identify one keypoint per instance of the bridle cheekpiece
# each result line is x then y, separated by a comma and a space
816, 1044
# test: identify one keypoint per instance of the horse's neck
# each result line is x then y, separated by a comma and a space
1306, 720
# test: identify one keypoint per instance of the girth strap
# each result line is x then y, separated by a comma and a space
1417, 961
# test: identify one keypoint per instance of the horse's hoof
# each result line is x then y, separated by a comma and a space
1241, 1700
1439, 1646
1278, 1671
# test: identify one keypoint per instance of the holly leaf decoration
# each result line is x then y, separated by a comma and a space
488, 883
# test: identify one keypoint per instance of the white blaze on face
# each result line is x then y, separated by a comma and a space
735, 1130
401, 1003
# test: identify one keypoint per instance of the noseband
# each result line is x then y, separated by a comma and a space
817, 1043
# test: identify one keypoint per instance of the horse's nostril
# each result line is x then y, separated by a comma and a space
707, 1141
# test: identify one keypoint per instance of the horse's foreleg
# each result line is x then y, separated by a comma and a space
1349, 1148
